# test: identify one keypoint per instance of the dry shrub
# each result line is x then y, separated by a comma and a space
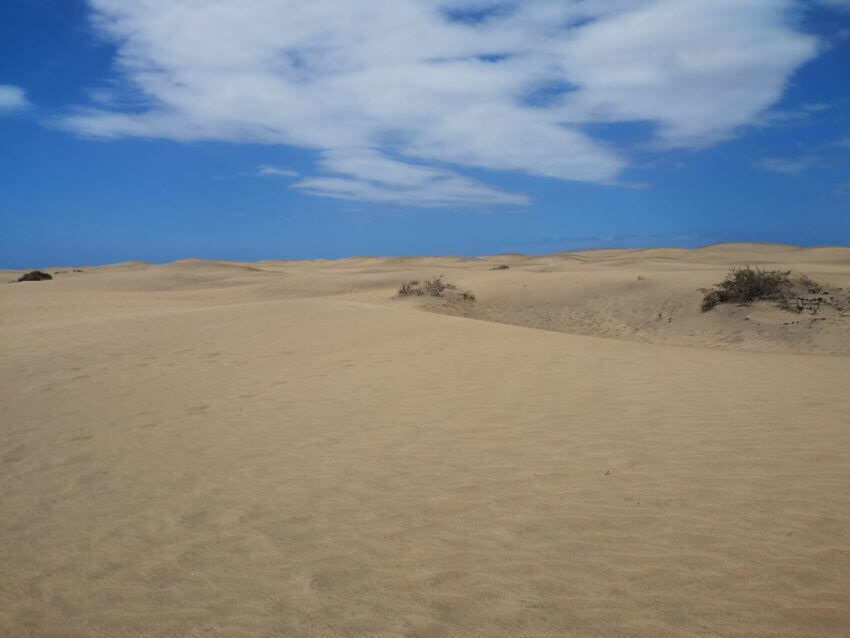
745, 285
501, 267
410, 289
812, 287
435, 287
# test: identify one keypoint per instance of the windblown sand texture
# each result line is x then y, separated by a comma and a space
284, 449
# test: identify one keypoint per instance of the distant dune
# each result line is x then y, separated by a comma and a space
287, 448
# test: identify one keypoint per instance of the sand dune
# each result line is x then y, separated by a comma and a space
283, 448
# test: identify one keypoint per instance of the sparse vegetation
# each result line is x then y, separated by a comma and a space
435, 287
812, 287
410, 289
432, 287
35, 275
745, 285
501, 267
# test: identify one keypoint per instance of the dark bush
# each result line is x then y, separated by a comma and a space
711, 299
501, 267
744, 285
35, 275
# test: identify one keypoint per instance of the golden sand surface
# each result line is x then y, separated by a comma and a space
283, 448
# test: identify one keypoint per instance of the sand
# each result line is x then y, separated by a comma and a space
284, 449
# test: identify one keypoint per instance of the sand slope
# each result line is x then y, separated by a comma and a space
281, 448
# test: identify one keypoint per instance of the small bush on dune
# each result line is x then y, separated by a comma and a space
410, 289
35, 275
745, 285
501, 267
435, 287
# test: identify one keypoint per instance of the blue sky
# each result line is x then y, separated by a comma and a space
258, 129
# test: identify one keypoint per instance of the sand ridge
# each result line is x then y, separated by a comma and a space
283, 448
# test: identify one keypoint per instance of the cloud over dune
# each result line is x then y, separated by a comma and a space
399, 96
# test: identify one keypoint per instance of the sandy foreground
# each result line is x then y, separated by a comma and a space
284, 449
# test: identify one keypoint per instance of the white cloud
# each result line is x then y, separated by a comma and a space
12, 98
787, 165
275, 171
801, 112
366, 175
507, 90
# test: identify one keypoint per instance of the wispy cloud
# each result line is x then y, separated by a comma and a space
366, 175
267, 170
802, 112
436, 85
12, 98
787, 165
842, 188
